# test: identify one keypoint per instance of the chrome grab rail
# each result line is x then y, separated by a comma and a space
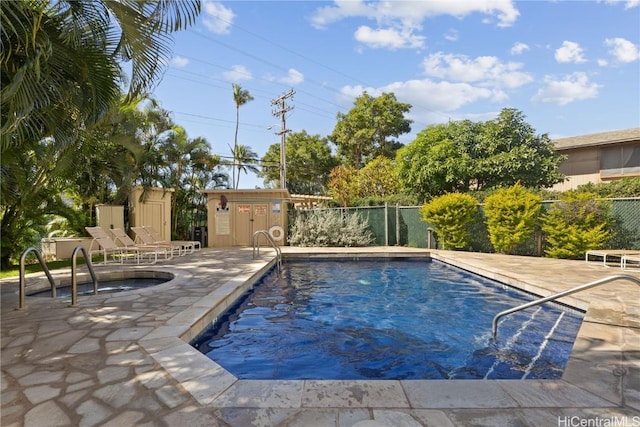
256, 248
23, 286
494, 326
74, 279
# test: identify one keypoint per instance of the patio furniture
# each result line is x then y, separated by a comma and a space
143, 250
607, 254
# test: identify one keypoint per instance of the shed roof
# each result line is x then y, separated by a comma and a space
597, 139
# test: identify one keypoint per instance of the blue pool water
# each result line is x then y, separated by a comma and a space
387, 319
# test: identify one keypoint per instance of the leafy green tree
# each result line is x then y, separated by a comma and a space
434, 163
240, 97
60, 61
451, 215
60, 73
578, 222
378, 178
460, 156
511, 215
309, 162
376, 181
369, 128
343, 184
508, 151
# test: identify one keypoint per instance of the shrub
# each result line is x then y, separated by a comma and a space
330, 228
577, 223
451, 216
512, 214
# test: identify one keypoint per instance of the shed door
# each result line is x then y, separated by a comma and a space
260, 220
153, 215
249, 219
242, 227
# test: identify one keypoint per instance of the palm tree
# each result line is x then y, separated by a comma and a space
246, 159
60, 60
240, 97
60, 74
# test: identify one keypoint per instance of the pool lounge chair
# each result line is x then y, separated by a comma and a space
142, 238
148, 250
630, 261
104, 245
607, 254
187, 245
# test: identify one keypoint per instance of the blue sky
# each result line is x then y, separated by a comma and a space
572, 67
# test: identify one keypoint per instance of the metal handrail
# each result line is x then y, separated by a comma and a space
256, 248
74, 279
23, 286
494, 326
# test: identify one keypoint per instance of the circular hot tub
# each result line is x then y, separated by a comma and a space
108, 283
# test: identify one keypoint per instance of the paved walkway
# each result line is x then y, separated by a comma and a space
122, 360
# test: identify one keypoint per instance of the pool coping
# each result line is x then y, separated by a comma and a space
211, 385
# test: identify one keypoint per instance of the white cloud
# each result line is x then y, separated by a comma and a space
411, 13
570, 52
390, 38
217, 18
518, 48
483, 70
237, 73
293, 77
426, 96
622, 49
573, 87
629, 4
452, 35
179, 62
398, 21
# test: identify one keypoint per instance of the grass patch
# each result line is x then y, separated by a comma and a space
14, 271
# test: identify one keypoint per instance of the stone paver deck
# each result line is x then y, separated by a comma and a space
122, 359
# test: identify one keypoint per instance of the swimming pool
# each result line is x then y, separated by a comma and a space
387, 319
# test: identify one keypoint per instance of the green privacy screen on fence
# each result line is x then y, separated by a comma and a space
394, 225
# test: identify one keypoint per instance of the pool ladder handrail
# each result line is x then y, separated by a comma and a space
256, 246
494, 326
22, 280
74, 279
43, 264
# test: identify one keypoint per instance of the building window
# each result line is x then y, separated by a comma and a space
622, 160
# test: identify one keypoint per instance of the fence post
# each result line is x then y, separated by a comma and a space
398, 225
386, 225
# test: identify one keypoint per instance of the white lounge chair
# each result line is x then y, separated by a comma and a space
154, 236
630, 260
607, 254
106, 247
143, 250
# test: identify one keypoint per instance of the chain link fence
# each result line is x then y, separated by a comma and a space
395, 225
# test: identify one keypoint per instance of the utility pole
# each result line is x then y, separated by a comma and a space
281, 109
